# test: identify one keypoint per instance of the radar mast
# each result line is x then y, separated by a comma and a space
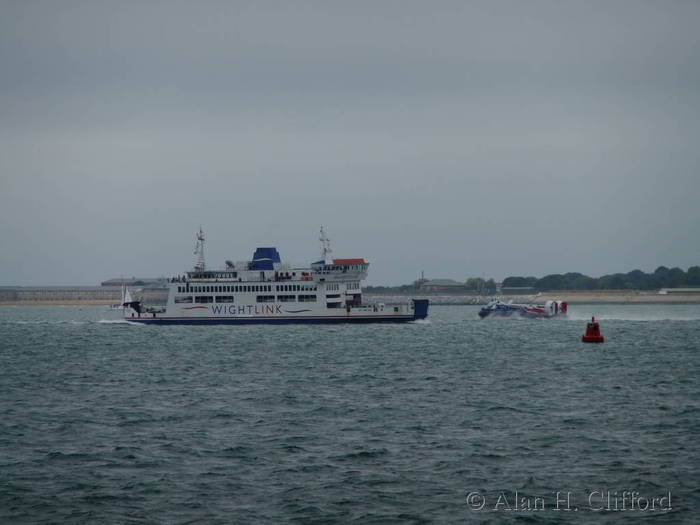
199, 251
325, 244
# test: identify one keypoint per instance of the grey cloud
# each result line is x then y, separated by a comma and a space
459, 138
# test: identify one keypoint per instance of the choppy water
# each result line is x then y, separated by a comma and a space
103, 421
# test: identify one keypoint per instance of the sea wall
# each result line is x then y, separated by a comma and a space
106, 295
48, 295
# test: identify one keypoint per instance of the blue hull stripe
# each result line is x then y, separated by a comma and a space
269, 320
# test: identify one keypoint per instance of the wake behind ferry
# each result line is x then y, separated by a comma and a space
266, 290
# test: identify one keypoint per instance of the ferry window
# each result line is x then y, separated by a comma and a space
265, 298
204, 299
307, 298
332, 296
286, 298
183, 299
396, 308
224, 299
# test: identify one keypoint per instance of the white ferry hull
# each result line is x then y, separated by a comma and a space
417, 310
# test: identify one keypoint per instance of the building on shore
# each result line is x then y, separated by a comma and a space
443, 285
691, 290
141, 282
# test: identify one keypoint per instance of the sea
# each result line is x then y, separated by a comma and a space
452, 419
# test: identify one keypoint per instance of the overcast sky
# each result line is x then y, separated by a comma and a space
461, 138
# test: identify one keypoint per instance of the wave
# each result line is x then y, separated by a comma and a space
45, 321
628, 316
118, 321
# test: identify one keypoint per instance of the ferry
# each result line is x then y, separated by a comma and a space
497, 308
266, 290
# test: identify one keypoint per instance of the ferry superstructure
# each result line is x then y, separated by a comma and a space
266, 290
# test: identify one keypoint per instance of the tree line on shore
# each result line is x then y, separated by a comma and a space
662, 277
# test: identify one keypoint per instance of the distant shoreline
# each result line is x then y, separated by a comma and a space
86, 302
572, 297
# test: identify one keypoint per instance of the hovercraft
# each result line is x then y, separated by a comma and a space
498, 308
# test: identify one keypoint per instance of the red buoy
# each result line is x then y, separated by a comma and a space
592, 334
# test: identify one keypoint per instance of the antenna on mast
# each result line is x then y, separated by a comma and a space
199, 251
325, 244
